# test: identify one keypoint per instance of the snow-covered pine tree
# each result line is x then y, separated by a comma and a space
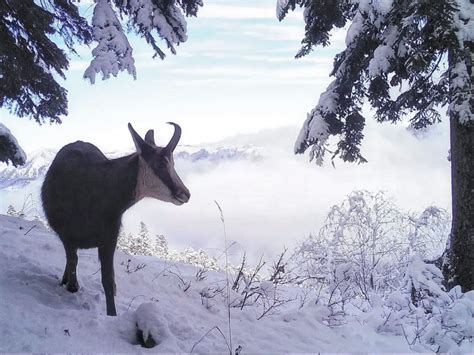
423, 48
124, 242
161, 247
142, 243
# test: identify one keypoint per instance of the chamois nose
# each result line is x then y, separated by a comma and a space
183, 195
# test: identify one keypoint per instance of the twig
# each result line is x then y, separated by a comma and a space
227, 277
208, 332
133, 299
29, 230
187, 284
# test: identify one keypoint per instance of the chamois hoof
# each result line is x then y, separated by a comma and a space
72, 287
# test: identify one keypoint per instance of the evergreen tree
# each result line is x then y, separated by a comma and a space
161, 246
141, 243
124, 242
423, 47
31, 59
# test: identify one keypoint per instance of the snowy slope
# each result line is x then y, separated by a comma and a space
37, 315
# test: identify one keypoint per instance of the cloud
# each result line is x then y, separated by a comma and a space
276, 202
239, 12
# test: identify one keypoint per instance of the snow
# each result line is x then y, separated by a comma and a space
38, 315
168, 20
315, 127
355, 28
460, 84
151, 321
113, 52
464, 21
280, 8
380, 63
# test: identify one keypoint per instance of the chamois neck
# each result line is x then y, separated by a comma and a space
123, 172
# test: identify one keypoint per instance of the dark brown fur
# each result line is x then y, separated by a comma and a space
85, 194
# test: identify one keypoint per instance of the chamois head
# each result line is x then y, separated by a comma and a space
157, 177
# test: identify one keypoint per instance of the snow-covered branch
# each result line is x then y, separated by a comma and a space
113, 52
10, 150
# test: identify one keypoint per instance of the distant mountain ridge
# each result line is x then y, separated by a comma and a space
39, 161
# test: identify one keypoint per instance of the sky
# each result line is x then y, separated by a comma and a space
236, 81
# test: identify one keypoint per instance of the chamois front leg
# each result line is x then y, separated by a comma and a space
106, 256
69, 277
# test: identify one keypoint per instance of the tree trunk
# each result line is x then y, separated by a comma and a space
461, 252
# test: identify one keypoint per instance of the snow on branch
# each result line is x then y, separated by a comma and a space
164, 17
113, 52
461, 86
282, 7
10, 150
151, 19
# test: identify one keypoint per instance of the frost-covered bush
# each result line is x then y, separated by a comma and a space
425, 284
143, 243
197, 258
139, 244
430, 318
428, 232
369, 233
28, 211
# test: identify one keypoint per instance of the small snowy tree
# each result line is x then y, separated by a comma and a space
429, 317
140, 244
429, 233
371, 235
367, 231
197, 258
161, 247
124, 242
404, 57
312, 258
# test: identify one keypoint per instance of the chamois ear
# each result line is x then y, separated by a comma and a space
150, 137
140, 144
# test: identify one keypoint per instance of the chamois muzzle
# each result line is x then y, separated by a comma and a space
182, 196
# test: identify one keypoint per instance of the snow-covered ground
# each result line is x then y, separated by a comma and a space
38, 315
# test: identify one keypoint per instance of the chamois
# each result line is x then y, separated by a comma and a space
84, 195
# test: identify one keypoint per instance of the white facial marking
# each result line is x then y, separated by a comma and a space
150, 185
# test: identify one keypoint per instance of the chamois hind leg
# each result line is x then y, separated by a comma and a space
106, 256
69, 276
